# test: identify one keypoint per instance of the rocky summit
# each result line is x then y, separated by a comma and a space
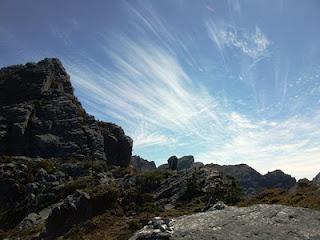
41, 117
259, 222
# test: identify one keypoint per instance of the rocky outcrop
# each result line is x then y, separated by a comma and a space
142, 165
185, 162
41, 117
316, 179
252, 182
205, 182
275, 222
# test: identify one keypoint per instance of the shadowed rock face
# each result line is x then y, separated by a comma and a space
258, 222
40, 117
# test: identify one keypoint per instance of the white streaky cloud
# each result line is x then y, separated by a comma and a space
252, 44
149, 85
145, 137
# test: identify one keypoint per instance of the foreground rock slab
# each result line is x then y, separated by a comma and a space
275, 222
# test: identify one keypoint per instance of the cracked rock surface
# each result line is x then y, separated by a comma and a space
275, 222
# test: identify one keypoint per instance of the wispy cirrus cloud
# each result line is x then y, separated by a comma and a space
148, 86
252, 44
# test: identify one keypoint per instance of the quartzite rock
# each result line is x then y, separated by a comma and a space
41, 117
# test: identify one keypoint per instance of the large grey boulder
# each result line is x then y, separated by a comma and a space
41, 117
259, 222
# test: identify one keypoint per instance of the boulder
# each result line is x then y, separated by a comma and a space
142, 165
185, 162
173, 163
41, 117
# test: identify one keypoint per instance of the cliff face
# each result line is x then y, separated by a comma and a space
41, 117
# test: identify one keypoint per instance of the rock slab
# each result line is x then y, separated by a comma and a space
259, 222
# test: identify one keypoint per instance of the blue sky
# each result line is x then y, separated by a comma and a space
226, 81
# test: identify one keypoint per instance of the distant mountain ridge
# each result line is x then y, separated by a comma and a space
252, 182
